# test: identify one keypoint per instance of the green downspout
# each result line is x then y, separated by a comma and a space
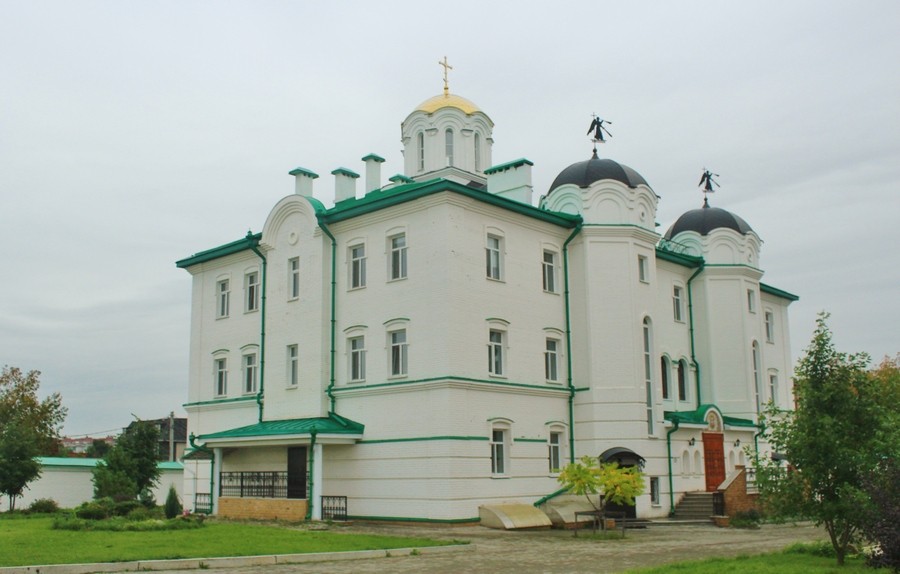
691, 319
212, 468
312, 461
262, 334
671, 482
569, 343
330, 389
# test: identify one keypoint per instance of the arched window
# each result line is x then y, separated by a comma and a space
682, 380
448, 146
664, 376
697, 461
648, 373
477, 140
757, 377
685, 463
420, 150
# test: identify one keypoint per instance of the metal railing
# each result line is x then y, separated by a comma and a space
254, 484
334, 508
203, 503
750, 477
718, 503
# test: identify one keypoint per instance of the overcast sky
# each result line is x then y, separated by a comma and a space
133, 134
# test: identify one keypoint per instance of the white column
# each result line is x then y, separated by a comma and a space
216, 470
316, 494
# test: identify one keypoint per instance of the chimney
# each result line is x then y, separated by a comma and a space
373, 172
511, 180
344, 184
303, 181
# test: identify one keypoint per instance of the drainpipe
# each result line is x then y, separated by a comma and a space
762, 430
312, 462
671, 482
575, 232
691, 319
212, 468
262, 333
330, 389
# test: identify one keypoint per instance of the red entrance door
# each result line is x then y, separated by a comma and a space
714, 455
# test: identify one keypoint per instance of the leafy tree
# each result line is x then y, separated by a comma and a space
173, 505
29, 428
614, 483
835, 438
97, 449
130, 466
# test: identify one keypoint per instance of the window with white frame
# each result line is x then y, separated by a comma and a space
221, 376
420, 150
550, 266
477, 146
648, 373
492, 257
643, 269
682, 380
664, 376
770, 327
751, 300
357, 349
678, 303
250, 373
251, 290
499, 450
757, 377
223, 298
448, 146
773, 387
551, 360
293, 365
293, 278
398, 353
654, 490
398, 257
554, 451
357, 266
496, 344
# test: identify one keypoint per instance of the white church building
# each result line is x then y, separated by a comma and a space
435, 342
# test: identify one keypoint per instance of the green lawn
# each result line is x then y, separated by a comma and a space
33, 542
777, 563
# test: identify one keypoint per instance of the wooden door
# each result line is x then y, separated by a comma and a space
296, 472
714, 459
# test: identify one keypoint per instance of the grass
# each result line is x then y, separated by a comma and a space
33, 542
797, 559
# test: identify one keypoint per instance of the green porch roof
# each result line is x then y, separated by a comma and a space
65, 462
332, 424
698, 417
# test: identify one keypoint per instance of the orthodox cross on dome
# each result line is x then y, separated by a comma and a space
707, 183
446, 68
599, 130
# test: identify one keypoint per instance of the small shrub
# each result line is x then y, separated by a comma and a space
147, 499
749, 519
120, 524
96, 510
141, 513
126, 507
173, 505
822, 548
44, 506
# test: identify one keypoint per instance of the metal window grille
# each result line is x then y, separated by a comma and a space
334, 508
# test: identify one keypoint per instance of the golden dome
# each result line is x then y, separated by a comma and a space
447, 100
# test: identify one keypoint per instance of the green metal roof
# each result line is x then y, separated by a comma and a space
698, 417
345, 171
332, 424
58, 462
303, 171
507, 165
777, 292
251, 240
375, 157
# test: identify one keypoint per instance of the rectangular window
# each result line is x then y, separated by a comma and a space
398, 353
550, 271
553, 452
294, 278
551, 360
357, 358
293, 366
250, 373
643, 269
398, 257
648, 376
773, 388
492, 257
677, 304
495, 353
770, 327
221, 377
751, 300
664, 376
251, 288
223, 296
498, 451
357, 266
682, 381
654, 490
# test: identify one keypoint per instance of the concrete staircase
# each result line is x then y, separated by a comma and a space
694, 506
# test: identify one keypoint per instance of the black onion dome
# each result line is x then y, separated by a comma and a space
705, 220
584, 173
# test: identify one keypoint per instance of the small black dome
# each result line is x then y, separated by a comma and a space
706, 219
584, 173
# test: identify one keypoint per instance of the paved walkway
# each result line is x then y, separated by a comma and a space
551, 551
